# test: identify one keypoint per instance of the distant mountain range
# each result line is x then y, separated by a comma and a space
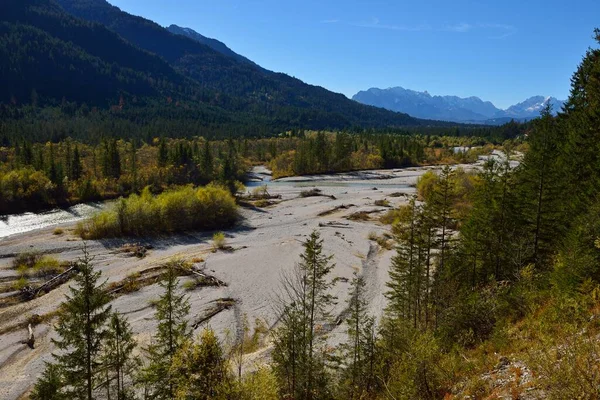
453, 108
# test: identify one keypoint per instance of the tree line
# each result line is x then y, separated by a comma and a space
40, 175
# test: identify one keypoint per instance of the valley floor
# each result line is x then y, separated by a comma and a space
265, 245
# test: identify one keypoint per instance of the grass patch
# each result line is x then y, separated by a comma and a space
359, 216
382, 203
384, 241
21, 283
390, 217
47, 265
27, 259
190, 285
219, 241
178, 210
131, 283
262, 203
58, 231
34, 264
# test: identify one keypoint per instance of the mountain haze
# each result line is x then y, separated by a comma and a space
452, 108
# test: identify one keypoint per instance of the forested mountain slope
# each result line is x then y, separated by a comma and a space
236, 86
47, 53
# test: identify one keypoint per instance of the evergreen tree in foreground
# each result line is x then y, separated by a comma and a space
359, 355
171, 313
300, 355
49, 386
81, 329
119, 362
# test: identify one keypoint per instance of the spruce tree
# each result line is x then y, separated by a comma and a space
81, 329
76, 165
299, 354
401, 293
172, 310
541, 181
50, 385
120, 364
358, 378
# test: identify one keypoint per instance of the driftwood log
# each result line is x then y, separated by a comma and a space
30, 292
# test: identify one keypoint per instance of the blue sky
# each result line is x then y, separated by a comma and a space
501, 50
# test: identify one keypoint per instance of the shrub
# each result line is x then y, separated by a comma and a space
190, 285
359, 216
26, 260
568, 369
260, 192
21, 283
426, 184
390, 217
47, 265
311, 193
219, 241
58, 231
382, 203
177, 210
261, 384
132, 283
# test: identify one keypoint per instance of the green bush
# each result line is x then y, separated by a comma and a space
26, 260
219, 241
21, 283
47, 265
183, 209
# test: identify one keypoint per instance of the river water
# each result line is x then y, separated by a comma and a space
20, 223
259, 176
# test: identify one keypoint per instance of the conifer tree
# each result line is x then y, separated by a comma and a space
358, 379
120, 364
76, 165
403, 270
50, 385
172, 310
299, 354
207, 161
133, 163
542, 186
163, 154
81, 330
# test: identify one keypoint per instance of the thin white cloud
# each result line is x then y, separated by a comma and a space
495, 31
503, 30
374, 23
462, 27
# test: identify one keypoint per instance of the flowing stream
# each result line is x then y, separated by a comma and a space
26, 222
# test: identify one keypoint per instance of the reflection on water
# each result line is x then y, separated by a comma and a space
20, 223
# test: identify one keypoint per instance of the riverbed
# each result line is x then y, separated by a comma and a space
262, 248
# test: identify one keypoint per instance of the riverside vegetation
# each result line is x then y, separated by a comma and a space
40, 175
500, 262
